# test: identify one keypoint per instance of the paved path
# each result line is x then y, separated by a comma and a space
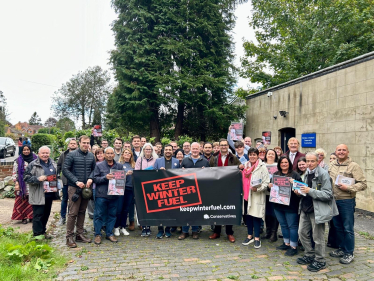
139, 258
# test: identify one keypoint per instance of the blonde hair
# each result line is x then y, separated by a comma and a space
122, 161
321, 151
216, 144
293, 139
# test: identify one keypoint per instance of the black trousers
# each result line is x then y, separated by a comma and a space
40, 216
229, 231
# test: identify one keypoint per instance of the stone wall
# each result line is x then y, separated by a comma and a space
338, 106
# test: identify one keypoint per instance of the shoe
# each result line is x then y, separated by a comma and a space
70, 242
337, 253
195, 235
97, 240
173, 229
346, 259
144, 233
183, 236
116, 231
82, 239
316, 266
257, 244
231, 238
273, 237
248, 241
131, 226
283, 247
160, 234
124, 231
24, 221
46, 236
215, 236
267, 235
280, 236
30, 220
291, 252
148, 231
62, 221
212, 227
167, 234
305, 260
112, 239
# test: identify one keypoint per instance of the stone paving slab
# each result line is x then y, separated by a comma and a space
147, 258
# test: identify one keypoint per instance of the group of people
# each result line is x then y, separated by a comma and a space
321, 200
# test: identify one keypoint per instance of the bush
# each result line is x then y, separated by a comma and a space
12, 136
51, 131
80, 133
109, 136
38, 140
183, 139
165, 141
69, 134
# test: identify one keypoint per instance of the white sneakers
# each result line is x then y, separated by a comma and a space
117, 231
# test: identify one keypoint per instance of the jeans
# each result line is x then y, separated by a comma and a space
161, 228
289, 223
344, 224
105, 209
40, 216
186, 228
253, 222
308, 225
64, 201
123, 208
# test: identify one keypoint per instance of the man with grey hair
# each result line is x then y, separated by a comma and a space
316, 207
41, 200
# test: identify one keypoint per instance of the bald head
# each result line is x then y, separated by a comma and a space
342, 152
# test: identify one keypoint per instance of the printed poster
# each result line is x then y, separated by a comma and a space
97, 131
280, 193
272, 169
266, 138
236, 131
116, 186
50, 185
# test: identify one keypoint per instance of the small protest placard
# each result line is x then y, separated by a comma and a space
116, 186
281, 191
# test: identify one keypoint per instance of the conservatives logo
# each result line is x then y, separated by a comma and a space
206, 216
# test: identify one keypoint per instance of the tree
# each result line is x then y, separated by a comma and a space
65, 124
35, 119
173, 62
50, 122
295, 38
84, 93
3, 113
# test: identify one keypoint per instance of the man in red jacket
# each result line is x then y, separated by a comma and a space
293, 152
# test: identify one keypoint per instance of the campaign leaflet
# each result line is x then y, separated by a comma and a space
272, 169
297, 185
344, 180
97, 131
243, 160
280, 193
116, 186
50, 185
256, 182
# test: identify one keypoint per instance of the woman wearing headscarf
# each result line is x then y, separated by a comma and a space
22, 210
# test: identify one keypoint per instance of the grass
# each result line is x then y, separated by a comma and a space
366, 235
24, 258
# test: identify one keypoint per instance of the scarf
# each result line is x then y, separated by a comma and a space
247, 175
220, 160
21, 169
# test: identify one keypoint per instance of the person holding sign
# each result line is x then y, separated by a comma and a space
105, 205
345, 194
287, 215
39, 173
316, 208
255, 183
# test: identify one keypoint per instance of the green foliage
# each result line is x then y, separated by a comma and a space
12, 136
183, 139
65, 124
165, 141
26, 252
69, 134
9, 194
295, 38
110, 135
51, 131
35, 119
80, 133
39, 140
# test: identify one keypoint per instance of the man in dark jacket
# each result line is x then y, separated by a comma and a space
78, 169
195, 160
105, 205
293, 152
224, 158
64, 202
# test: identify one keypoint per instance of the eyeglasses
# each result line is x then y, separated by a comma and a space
148, 149
223, 145
262, 151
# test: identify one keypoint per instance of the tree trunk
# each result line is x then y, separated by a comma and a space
179, 123
154, 124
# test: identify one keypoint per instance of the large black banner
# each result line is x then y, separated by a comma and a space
189, 196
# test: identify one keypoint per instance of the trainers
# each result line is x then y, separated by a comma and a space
124, 231
291, 252
148, 231
144, 233
167, 234
283, 247
338, 253
62, 221
305, 260
257, 244
316, 266
116, 231
248, 241
173, 229
346, 259
160, 234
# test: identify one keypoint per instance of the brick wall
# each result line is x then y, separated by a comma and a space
6, 170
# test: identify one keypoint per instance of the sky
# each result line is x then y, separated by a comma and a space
44, 43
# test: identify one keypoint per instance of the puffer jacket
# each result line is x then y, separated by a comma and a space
36, 190
323, 200
348, 169
78, 166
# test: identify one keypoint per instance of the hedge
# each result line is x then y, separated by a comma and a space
38, 140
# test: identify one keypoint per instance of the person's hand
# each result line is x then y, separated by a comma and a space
291, 181
296, 192
241, 166
80, 184
129, 173
343, 187
270, 185
162, 168
254, 189
305, 189
16, 187
109, 176
89, 182
42, 178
